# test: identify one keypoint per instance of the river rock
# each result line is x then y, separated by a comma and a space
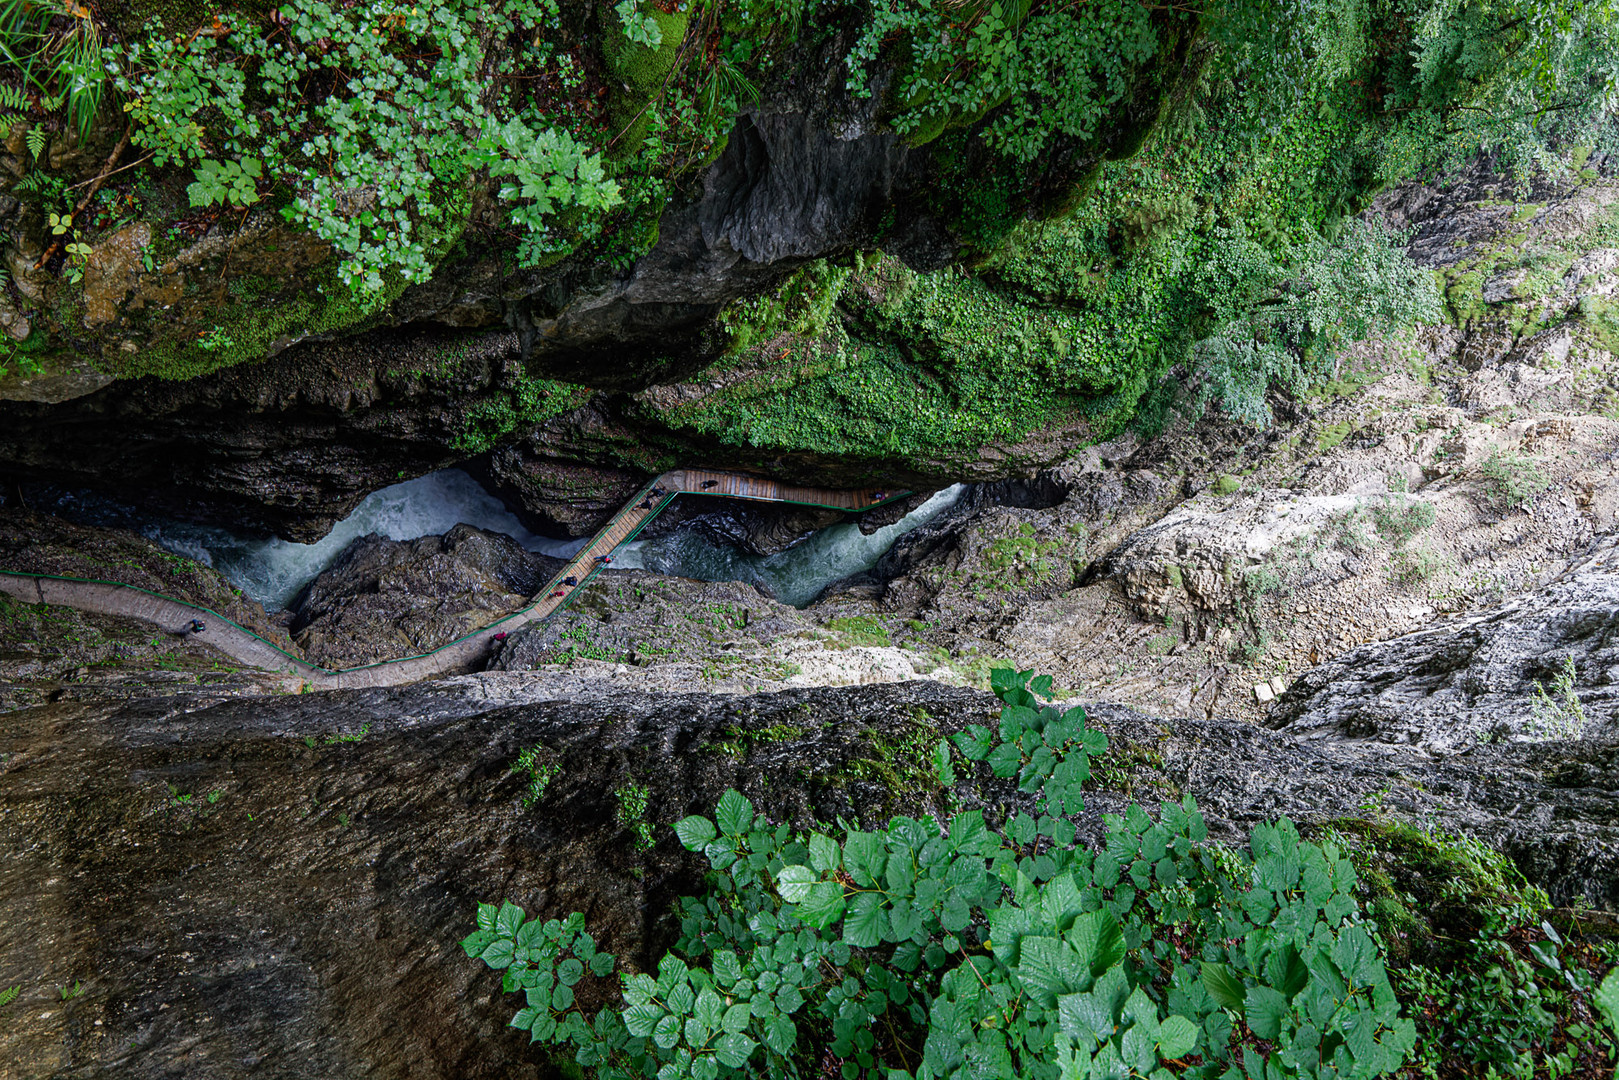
383, 599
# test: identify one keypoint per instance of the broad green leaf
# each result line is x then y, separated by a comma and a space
1050, 968
795, 882
499, 953
864, 856
476, 942
1265, 1009
734, 813
824, 853
1223, 986
733, 1049
727, 968
975, 742
486, 916
1177, 1036
1291, 974
943, 768
780, 1035
1085, 1017
822, 905
1607, 999
736, 1017
642, 1019
530, 933
509, 918
710, 1008
695, 832
1005, 759
667, 1032
863, 921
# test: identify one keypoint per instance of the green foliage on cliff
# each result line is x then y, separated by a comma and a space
374, 120
1222, 256
934, 949
1234, 136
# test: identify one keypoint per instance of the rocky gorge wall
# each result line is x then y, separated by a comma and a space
275, 887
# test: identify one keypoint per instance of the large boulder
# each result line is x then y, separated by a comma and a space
383, 599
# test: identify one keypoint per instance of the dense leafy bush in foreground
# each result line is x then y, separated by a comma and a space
933, 949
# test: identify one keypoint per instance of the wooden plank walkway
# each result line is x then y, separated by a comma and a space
466, 653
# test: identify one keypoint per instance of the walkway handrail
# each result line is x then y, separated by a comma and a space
230, 637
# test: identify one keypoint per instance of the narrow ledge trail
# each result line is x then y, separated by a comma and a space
465, 653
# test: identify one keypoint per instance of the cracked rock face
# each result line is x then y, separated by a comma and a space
1541, 666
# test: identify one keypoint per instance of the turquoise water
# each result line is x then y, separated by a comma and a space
274, 571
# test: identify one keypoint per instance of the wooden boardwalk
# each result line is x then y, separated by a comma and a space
464, 654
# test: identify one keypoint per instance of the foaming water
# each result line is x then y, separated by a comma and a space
795, 576
274, 571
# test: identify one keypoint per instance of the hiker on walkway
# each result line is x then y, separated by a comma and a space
710, 484
604, 559
878, 496
194, 627
645, 506
570, 580
558, 593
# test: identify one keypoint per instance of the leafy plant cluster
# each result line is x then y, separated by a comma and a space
375, 117
1048, 70
1495, 989
947, 949
54, 49
1219, 265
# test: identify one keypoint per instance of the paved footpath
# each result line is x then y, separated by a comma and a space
462, 655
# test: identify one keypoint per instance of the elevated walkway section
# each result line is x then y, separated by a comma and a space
467, 653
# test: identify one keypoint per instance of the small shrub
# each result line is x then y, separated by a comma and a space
540, 772
1227, 485
1510, 480
1353, 533
1559, 714
1400, 518
860, 630
633, 800
1413, 566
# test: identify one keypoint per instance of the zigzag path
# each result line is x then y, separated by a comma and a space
462, 655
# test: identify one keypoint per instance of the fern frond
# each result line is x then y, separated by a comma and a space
36, 142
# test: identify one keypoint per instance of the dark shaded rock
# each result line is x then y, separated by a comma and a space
553, 495
383, 599
759, 528
1476, 678
237, 902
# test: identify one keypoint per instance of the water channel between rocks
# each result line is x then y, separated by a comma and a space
274, 571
